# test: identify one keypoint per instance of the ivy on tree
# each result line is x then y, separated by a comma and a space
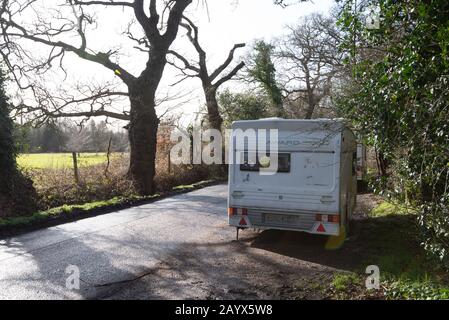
16, 192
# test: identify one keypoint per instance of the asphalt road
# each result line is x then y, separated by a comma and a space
176, 248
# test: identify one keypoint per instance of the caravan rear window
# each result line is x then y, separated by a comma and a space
283, 162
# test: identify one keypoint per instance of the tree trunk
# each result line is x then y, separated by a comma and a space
215, 119
144, 125
215, 122
310, 106
143, 138
310, 97
383, 164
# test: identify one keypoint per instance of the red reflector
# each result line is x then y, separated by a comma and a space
333, 218
242, 222
321, 228
245, 212
318, 217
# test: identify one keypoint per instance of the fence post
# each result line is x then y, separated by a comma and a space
75, 167
169, 162
108, 155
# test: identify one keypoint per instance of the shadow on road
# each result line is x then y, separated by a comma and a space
306, 247
389, 242
40, 273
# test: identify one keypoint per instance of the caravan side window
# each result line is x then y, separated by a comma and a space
284, 163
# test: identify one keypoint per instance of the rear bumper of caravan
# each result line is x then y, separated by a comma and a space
319, 223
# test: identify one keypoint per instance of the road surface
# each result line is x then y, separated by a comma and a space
176, 248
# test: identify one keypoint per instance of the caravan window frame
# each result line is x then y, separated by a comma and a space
283, 167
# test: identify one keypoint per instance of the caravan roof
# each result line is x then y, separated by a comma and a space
303, 125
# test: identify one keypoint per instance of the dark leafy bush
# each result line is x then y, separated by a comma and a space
398, 99
17, 195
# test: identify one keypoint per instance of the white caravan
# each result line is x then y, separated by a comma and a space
314, 188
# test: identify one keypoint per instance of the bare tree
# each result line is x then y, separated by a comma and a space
311, 61
78, 139
211, 81
157, 34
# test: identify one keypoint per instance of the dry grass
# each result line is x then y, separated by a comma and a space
57, 187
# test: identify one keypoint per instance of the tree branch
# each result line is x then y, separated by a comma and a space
101, 58
103, 3
227, 62
186, 63
98, 101
230, 75
174, 20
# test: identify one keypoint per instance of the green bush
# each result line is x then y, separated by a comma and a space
17, 195
398, 100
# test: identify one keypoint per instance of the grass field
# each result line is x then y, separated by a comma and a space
59, 160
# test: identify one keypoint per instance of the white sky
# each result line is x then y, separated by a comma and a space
228, 22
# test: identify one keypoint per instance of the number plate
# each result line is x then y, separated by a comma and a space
281, 218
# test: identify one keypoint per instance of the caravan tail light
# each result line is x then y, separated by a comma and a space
237, 211
334, 218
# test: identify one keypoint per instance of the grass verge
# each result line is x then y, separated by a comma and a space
390, 240
71, 209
